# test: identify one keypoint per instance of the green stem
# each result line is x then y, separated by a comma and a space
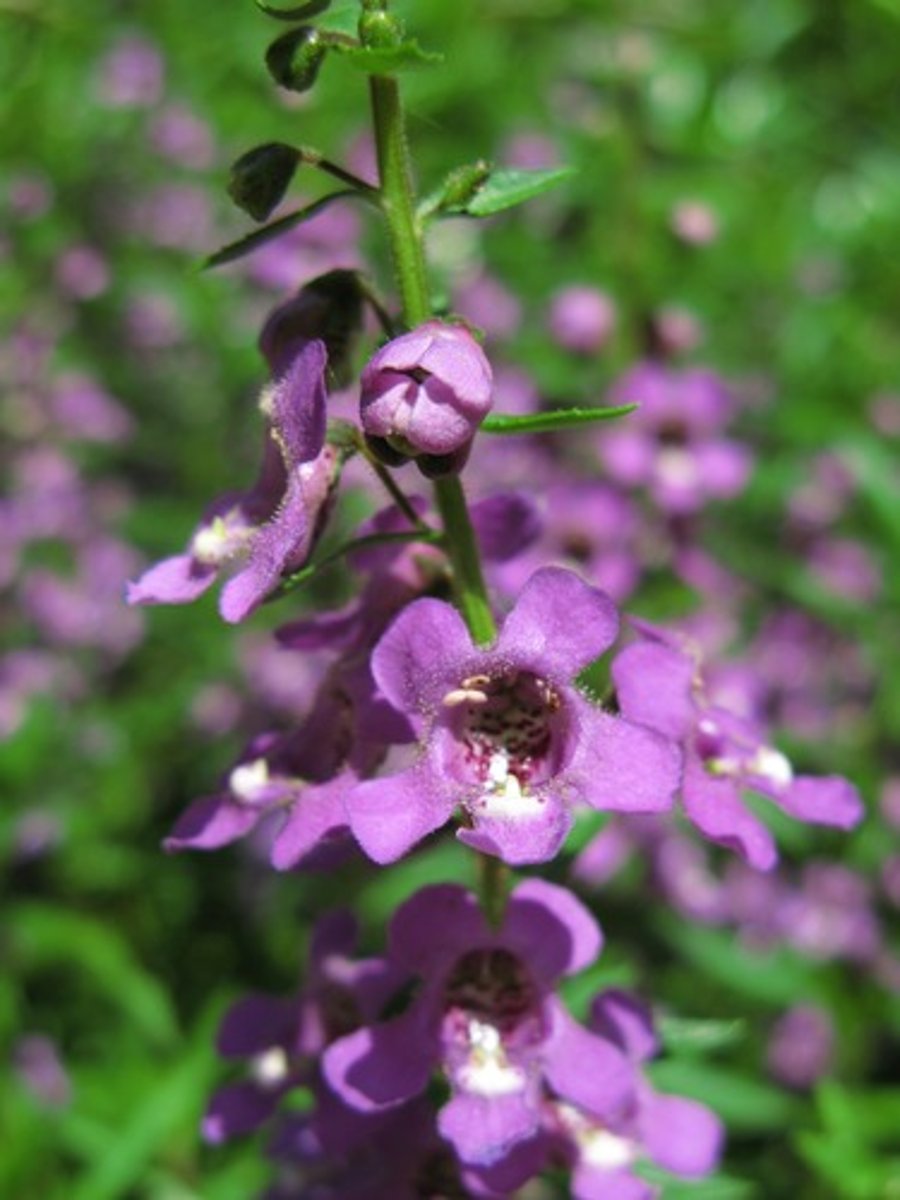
468, 580
398, 203
397, 200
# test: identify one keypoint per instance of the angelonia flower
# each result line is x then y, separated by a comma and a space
503, 733
659, 682
423, 396
694, 223
674, 445
269, 530
581, 319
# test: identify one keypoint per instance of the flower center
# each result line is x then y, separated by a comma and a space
506, 729
491, 1016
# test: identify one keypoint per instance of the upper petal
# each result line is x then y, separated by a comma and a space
559, 623
436, 925
551, 929
420, 656
653, 685
823, 800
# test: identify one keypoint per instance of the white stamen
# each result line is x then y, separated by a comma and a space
605, 1150
247, 780
488, 1071
504, 795
214, 543
464, 696
676, 467
271, 1067
771, 764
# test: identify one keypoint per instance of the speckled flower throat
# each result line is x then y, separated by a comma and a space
490, 985
509, 727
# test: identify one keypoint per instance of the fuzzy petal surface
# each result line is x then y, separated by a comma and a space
176, 580
585, 1069
622, 766
420, 657
653, 685
559, 624
681, 1135
823, 800
389, 815
316, 813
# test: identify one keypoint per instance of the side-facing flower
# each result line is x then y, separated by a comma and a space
659, 682
280, 1038
503, 733
269, 530
423, 396
674, 1133
487, 1016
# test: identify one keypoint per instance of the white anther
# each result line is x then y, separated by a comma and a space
271, 1067
771, 764
247, 780
488, 1071
464, 696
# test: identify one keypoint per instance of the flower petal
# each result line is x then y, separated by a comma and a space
622, 766
559, 624
420, 655
389, 815
653, 686
681, 1135
586, 1069
382, 1065
176, 580
551, 930
211, 822
715, 807
317, 812
437, 924
483, 1129
823, 800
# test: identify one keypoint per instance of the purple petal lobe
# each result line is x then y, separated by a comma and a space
715, 807
176, 580
382, 1065
435, 925
622, 766
551, 929
585, 1069
316, 813
298, 406
681, 1135
211, 822
823, 800
414, 662
483, 1129
389, 815
533, 834
237, 1109
559, 623
653, 685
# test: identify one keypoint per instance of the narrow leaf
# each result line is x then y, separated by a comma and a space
682, 1036
301, 13
506, 188
388, 60
563, 418
259, 237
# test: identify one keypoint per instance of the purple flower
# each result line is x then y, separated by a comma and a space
658, 682
280, 1038
801, 1046
424, 394
673, 445
674, 1133
271, 529
582, 319
487, 1015
503, 733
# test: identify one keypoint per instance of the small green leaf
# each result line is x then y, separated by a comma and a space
457, 190
563, 418
259, 237
260, 178
388, 60
506, 188
302, 12
682, 1036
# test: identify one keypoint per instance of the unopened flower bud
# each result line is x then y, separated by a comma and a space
425, 393
294, 58
329, 308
